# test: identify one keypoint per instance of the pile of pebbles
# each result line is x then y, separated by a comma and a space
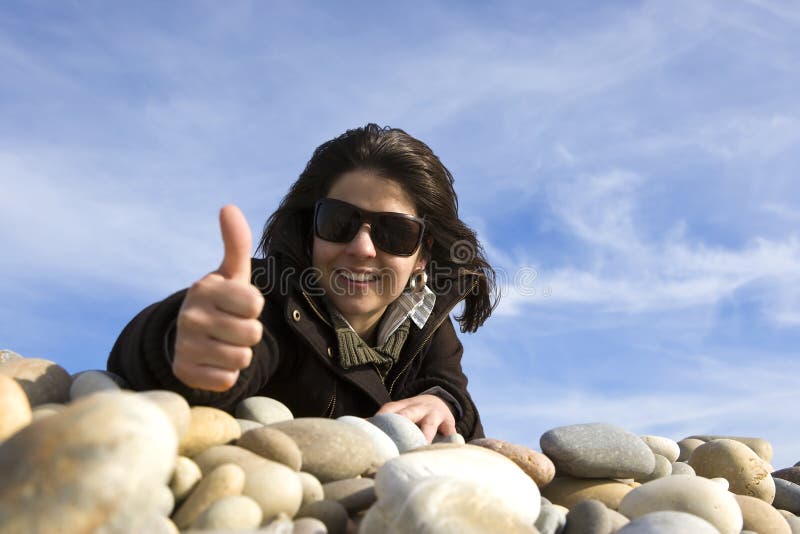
83, 454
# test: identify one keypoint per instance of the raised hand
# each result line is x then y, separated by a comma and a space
429, 412
218, 321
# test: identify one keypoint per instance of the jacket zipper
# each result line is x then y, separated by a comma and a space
429, 336
332, 402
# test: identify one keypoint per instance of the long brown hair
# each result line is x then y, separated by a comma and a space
452, 248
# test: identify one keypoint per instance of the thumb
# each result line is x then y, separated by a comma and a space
237, 239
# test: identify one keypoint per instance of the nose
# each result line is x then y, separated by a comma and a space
362, 245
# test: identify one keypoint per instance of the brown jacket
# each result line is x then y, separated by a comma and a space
295, 361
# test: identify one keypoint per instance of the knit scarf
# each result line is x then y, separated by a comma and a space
355, 351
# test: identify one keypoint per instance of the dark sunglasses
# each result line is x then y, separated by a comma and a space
395, 233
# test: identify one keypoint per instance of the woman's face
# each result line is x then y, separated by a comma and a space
358, 278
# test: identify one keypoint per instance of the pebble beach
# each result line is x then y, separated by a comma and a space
83, 453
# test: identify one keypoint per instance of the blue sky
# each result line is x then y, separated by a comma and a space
631, 168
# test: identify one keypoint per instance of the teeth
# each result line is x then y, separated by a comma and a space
358, 277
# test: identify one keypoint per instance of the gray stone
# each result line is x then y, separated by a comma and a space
263, 410
88, 382
405, 434
385, 449
687, 446
355, 494
597, 450
787, 496
246, 425
663, 468
551, 520
100, 458
588, 517
792, 474
331, 513
668, 522
42, 380
682, 468
331, 450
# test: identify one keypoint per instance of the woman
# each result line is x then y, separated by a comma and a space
348, 310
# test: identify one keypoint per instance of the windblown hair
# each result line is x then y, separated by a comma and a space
455, 257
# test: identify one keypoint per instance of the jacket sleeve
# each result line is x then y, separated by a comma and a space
141, 355
441, 366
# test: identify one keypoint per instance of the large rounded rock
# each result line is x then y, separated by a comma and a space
663, 446
759, 516
263, 410
498, 478
681, 493
272, 444
99, 462
42, 380
761, 447
738, 464
174, 405
445, 504
682, 468
208, 427
15, 410
535, 464
668, 522
569, 491
213, 457
405, 434
597, 450
787, 496
330, 513
331, 450
385, 449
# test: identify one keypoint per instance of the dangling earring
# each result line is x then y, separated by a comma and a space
417, 280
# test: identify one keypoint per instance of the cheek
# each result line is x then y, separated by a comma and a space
322, 252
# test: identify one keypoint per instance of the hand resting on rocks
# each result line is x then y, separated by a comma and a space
429, 412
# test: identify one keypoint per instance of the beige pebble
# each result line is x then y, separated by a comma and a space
164, 501
272, 444
275, 487
208, 427
568, 491
217, 455
759, 516
224, 481
663, 468
312, 488
15, 410
535, 464
175, 406
46, 410
237, 512
738, 464
761, 447
184, 478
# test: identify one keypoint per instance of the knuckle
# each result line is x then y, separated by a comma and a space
256, 331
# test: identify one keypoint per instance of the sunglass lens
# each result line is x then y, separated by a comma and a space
336, 222
396, 235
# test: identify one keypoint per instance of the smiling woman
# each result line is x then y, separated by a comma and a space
347, 310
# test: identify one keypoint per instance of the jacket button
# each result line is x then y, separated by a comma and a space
296, 315
330, 352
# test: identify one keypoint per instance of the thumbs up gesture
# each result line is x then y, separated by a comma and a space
218, 321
